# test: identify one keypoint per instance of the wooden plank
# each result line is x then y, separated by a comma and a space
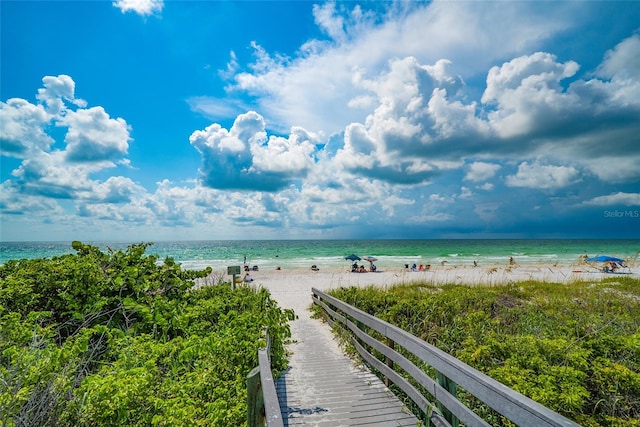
324, 387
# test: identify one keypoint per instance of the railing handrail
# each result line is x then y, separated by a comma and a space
263, 407
273, 414
507, 402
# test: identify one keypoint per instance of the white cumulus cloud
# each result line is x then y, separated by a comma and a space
545, 177
141, 7
481, 171
244, 158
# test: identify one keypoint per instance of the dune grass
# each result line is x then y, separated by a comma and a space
573, 347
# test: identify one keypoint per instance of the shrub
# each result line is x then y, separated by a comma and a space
117, 338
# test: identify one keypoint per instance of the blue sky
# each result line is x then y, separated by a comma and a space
149, 120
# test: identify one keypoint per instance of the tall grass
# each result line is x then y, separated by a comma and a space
573, 347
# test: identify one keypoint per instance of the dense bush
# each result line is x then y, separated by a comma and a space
574, 348
118, 338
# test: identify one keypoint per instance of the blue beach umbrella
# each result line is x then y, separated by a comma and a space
353, 257
605, 258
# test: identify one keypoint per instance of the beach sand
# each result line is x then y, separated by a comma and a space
291, 288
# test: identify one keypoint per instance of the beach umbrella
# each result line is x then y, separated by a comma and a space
353, 257
370, 258
605, 258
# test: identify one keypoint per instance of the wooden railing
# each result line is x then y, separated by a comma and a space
451, 373
263, 408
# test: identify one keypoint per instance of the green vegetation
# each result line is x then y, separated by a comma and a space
118, 338
574, 348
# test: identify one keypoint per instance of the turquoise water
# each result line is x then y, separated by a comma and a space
330, 253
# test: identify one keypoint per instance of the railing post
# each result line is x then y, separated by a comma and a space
255, 401
452, 388
389, 361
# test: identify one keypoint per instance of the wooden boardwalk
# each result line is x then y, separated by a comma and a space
323, 387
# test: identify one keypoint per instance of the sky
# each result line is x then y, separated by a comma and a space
144, 120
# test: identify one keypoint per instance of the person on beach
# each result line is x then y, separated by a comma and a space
247, 278
511, 261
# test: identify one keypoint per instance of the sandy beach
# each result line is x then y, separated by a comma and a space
292, 287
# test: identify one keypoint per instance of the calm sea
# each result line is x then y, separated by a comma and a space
270, 254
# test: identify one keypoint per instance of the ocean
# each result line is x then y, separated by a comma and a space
269, 254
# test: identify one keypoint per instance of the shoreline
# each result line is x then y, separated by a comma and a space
390, 254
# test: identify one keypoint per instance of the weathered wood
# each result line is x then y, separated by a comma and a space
263, 407
255, 403
405, 385
442, 395
452, 388
388, 360
509, 403
437, 420
324, 387
273, 415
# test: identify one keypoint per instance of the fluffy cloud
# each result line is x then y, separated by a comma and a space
13, 201
22, 128
544, 177
93, 142
397, 140
412, 118
422, 125
94, 136
319, 90
244, 158
116, 190
423, 119
141, 7
47, 175
527, 92
622, 63
57, 90
481, 171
